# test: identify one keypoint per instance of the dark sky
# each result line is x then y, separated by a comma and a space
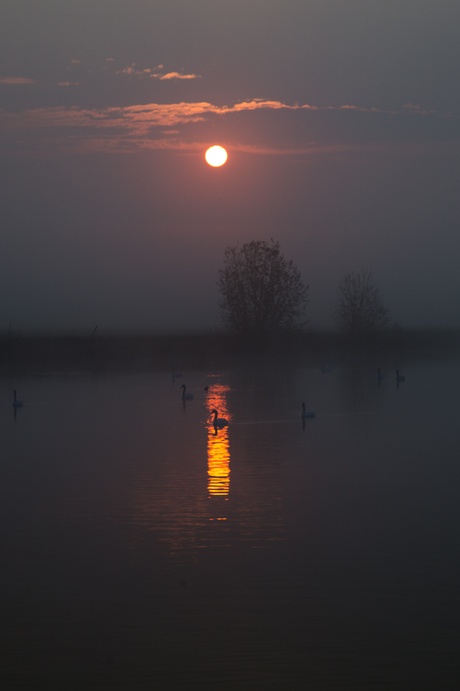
342, 123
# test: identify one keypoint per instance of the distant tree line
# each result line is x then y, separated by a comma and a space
263, 293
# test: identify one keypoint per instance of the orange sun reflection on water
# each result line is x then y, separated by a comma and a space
218, 443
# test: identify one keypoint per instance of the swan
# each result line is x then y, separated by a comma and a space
186, 396
380, 376
176, 374
325, 369
307, 413
17, 403
218, 421
399, 377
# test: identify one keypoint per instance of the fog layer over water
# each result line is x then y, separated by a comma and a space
144, 548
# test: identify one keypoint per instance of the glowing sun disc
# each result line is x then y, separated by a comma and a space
216, 156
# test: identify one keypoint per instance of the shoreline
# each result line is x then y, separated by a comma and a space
213, 350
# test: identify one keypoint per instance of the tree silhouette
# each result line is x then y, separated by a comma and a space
360, 307
262, 292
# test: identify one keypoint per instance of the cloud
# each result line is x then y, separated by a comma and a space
175, 75
262, 126
131, 71
16, 80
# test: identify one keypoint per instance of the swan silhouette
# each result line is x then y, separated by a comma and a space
399, 377
186, 396
380, 376
306, 413
16, 402
218, 421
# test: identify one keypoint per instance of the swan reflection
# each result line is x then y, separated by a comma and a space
218, 442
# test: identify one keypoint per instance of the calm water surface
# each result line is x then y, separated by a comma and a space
143, 550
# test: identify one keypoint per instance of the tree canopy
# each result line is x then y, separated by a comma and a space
360, 307
262, 292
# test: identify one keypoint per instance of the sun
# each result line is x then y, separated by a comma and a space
216, 156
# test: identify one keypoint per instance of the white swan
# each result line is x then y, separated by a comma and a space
380, 376
307, 413
399, 377
176, 374
186, 396
325, 369
218, 421
17, 403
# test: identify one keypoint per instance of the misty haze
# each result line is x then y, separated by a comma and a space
228, 401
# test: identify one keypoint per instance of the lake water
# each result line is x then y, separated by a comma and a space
143, 550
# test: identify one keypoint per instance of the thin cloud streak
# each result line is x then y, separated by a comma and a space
16, 80
131, 71
175, 75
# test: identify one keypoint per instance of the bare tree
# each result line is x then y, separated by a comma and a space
261, 291
360, 306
